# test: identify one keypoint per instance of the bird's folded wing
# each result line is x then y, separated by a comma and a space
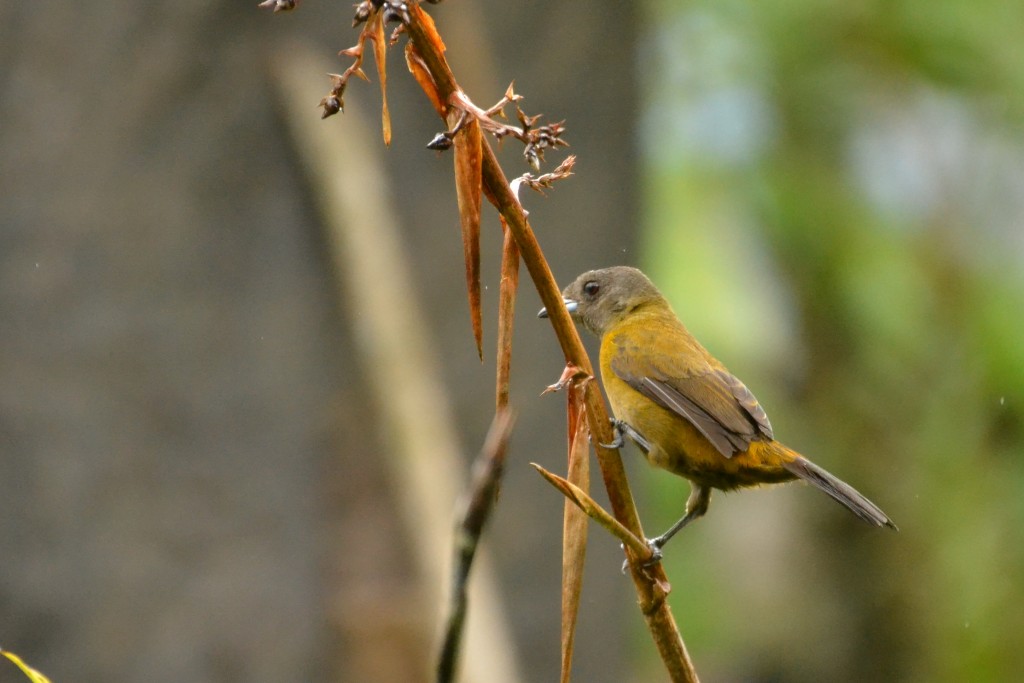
709, 398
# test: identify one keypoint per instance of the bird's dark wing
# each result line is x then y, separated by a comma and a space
709, 398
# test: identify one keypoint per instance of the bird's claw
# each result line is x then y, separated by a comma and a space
621, 430
655, 545
618, 441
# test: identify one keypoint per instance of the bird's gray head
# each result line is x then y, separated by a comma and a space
598, 299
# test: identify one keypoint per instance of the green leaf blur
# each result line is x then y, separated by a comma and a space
834, 195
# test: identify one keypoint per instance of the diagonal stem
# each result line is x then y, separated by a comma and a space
653, 605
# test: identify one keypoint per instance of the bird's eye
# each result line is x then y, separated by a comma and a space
591, 288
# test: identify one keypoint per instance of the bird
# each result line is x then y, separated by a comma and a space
684, 410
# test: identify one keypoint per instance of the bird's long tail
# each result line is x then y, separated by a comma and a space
839, 491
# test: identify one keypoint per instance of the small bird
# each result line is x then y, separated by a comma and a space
684, 409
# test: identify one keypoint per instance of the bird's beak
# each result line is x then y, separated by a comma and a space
570, 305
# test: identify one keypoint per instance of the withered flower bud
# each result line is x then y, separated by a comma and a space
440, 143
332, 105
362, 13
280, 5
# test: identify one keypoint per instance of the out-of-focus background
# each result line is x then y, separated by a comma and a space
196, 480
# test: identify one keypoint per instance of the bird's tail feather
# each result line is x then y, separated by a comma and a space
839, 491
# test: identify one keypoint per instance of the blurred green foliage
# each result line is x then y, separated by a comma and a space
834, 196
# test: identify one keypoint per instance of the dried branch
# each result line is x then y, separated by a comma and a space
374, 15
535, 138
476, 509
545, 180
574, 522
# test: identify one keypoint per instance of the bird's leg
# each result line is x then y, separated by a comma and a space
696, 505
620, 428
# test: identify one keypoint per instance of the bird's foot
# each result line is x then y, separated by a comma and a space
621, 429
618, 431
655, 545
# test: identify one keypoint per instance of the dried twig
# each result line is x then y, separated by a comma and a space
583, 501
574, 522
476, 509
